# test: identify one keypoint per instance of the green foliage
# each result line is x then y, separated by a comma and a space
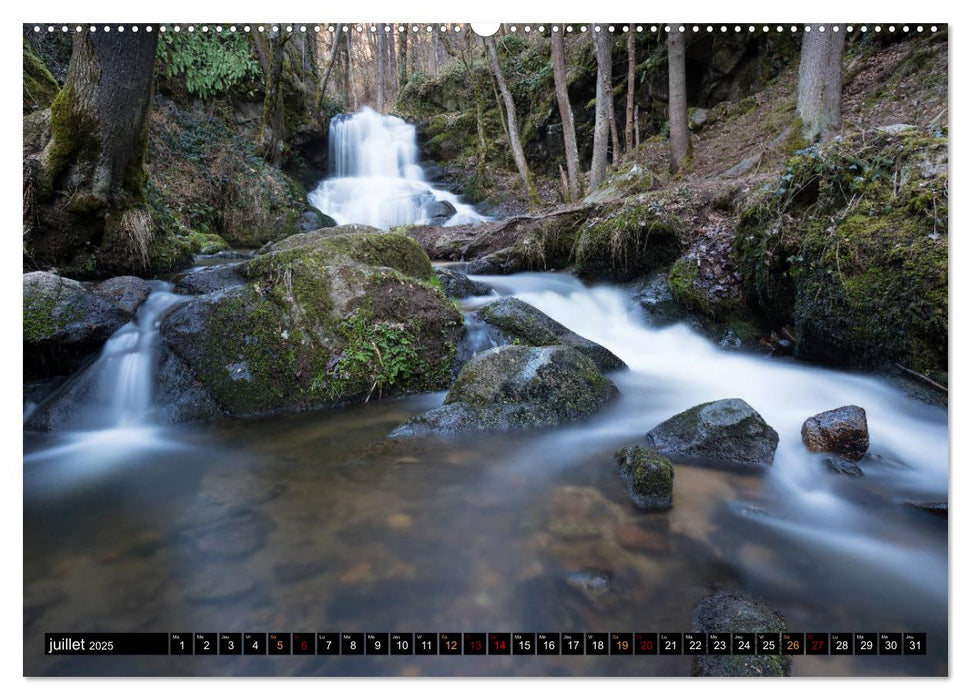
211, 63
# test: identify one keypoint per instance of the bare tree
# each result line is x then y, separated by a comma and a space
631, 66
381, 58
601, 125
392, 63
348, 74
403, 56
574, 183
677, 100
820, 82
514, 141
325, 78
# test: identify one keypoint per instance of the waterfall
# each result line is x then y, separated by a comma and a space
376, 179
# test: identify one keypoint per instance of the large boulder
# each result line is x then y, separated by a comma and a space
514, 387
126, 292
521, 323
649, 477
727, 431
335, 319
458, 285
63, 324
736, 611
841, 431
440, 212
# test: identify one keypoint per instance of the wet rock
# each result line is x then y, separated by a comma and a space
842, 466
126, 292
842, 431
728, 431
515, 388
736, 611
440, 212
63, 323
938, 508
519, 322
210, 279
314, 220
649, 477
458, 285
503, 262
180, 397
656, 299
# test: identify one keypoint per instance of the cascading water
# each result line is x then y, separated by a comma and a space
674, 368
376, 179
107, 408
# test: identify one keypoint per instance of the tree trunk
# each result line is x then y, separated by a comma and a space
322, 90
514, 143
820, 82
90, 178
575, 186
273, 127
393, 84
677, 101
631, 79
381, 60
348, 74
601, 124
614, 138
403, 57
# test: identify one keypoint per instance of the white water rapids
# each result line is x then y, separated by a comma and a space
675, 368
376, 179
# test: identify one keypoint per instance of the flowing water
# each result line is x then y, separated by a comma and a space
376, 179
315, 522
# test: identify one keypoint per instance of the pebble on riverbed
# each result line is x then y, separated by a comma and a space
649, 477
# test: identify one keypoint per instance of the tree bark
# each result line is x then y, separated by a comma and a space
403, 57
601, 125
819, 100
348, 74
322, 90
575, 186
514, 142
381, 60
677, 101
273, 127
393, 83
631, 78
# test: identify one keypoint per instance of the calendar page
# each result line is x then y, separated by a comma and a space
452, 349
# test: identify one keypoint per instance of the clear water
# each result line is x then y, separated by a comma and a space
315, 522
376, 178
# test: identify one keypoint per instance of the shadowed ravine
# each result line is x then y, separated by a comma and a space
316, 522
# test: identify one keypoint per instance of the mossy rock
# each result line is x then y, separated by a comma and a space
649, 477
728, 431
316, 325
851, 247
518, 322
63, 323
634, 240
737, 611
513, 387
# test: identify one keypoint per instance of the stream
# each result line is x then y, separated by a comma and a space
315, 522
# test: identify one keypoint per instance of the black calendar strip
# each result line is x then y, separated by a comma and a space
486, 643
